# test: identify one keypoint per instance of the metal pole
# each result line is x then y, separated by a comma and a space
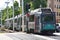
27, 25
27, 20
7, 13
1, 19
7, 9
13, 15
19, 3
22, 15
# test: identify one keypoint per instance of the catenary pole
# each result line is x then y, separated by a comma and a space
22, 15
13, 15
7, 12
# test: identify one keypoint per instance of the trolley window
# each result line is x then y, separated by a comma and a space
48, 18
31, 18
24, 20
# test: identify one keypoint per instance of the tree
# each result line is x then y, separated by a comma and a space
25, 2
16, 8
35, 3
20, 10
4, 16
10, 12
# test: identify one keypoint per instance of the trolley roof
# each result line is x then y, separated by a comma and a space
36, 11
14, 18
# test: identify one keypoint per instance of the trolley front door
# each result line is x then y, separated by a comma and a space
37, 23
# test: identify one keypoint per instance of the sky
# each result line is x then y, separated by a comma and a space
3, 4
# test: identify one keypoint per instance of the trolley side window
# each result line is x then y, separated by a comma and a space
24, 20
31, 18
15, 21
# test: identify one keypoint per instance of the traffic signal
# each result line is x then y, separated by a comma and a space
27, 7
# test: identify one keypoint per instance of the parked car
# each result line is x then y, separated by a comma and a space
58, 27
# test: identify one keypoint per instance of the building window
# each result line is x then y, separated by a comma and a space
58, 0
57, 6
59, 14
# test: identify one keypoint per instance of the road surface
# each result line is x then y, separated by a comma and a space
23, 36
54, 36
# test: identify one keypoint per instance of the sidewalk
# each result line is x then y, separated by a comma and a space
9, 31
4, 37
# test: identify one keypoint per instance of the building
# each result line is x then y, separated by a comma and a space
55, 6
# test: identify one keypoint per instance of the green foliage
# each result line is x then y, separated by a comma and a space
35, 4
16, 8
20, 10
31, 5
4, 15
10, 12
25, 2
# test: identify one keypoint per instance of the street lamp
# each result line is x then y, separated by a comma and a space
40, 5
1, 18
13, 15
7, 9
7, 12
22, 15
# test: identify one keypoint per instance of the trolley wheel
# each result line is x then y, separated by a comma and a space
20, 29
28, 31
57, 31
31, 30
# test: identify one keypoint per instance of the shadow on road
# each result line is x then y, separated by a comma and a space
45, 34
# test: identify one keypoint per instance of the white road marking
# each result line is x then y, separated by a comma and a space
3, 37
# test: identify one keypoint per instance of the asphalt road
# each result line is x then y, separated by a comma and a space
55, 36
23, 36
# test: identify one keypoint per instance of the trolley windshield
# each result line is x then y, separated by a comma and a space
48, 18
